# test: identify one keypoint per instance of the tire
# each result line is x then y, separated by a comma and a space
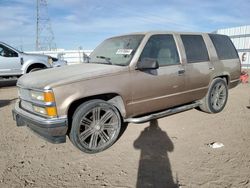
95, 127
216, 97
35, 69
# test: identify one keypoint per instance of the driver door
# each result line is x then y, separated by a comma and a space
10, 63
158, 89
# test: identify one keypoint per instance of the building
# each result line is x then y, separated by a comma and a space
241, 39
71, 56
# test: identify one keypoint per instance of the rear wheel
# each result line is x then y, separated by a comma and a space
95, 127
216, 97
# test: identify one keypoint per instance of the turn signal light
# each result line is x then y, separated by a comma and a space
49, 97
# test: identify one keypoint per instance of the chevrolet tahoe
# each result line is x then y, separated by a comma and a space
130, 78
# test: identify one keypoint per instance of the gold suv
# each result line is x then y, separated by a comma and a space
130, 78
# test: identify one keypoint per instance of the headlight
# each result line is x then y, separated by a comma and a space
39, 96
48, 111
47, 96
50, 60
40, 110
46, 101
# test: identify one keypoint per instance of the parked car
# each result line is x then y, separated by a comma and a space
14, 63
131, 78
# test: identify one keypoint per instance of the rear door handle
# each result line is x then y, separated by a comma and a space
181, 72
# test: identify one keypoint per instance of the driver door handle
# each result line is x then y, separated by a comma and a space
21, 61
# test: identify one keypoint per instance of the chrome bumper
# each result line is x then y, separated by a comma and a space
53, 130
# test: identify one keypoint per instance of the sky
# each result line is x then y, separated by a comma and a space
85, 23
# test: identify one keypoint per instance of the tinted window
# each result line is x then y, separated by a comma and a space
162, 48
224, 47
195, 48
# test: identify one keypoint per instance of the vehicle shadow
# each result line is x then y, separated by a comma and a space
7, 83
4, 103
154, 165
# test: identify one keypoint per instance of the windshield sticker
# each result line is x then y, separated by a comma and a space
124, 51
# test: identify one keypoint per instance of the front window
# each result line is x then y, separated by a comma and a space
161, 48
7, 52
117, 50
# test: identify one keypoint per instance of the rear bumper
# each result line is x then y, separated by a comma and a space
53, 130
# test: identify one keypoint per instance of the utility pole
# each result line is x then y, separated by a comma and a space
44, 32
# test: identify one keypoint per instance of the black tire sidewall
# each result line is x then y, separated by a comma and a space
35, 69
79, 113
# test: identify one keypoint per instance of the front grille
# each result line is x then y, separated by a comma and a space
24, 94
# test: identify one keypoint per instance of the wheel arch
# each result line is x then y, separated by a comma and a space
112, 98
35, 65
225, 77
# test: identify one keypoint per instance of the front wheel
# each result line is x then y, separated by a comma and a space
35, 69
95, 127
216, 97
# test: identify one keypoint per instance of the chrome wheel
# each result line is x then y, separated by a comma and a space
218, 96
96, 126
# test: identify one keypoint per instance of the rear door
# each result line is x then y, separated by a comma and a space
227, 59
198, 66
10, 63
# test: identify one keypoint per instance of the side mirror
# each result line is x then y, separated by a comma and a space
147, 63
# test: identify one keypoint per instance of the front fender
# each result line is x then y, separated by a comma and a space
28, 63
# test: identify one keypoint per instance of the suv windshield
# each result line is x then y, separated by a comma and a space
117, 50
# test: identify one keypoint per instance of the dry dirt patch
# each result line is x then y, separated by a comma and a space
173, 150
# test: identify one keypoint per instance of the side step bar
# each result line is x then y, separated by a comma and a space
163, 113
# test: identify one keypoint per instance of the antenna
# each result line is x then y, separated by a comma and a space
44, 32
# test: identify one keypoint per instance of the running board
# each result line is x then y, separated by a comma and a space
163, 113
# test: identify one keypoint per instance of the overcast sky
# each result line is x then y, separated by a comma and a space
86, 23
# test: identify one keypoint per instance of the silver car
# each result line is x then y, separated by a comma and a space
14, 63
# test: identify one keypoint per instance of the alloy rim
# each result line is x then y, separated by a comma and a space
98, 128
218, 96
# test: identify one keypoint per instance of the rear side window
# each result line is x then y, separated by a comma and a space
196, 50
224, 47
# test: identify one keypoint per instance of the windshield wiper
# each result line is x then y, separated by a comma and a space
107, 59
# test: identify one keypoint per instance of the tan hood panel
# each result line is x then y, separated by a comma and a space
67, 74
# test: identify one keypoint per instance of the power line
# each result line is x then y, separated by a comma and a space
44, 33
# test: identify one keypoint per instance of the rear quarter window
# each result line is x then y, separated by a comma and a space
224, 47
195, 48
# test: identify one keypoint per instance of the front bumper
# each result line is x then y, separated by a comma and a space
53, 130
59, 63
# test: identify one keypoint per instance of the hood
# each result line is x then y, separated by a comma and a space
54, 77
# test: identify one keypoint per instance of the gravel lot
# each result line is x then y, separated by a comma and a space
170, 152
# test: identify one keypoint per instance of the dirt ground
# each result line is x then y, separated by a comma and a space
170, 152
